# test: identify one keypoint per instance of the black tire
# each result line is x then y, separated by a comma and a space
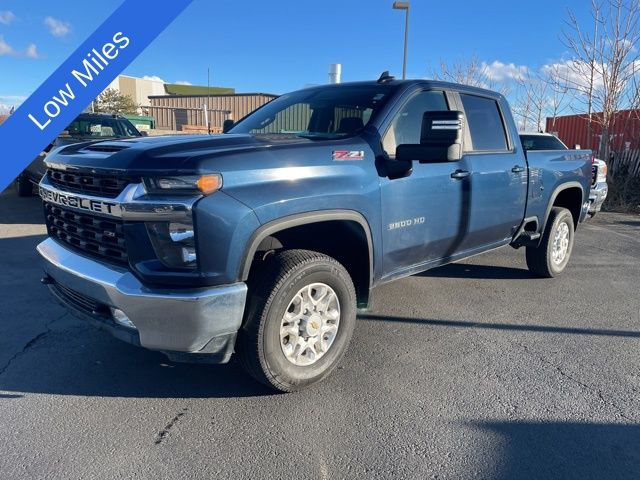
25, 187
539, 259
271, 289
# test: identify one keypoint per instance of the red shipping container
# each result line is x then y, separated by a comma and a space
573, 129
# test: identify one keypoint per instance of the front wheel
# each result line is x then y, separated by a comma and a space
299, 319
551, 257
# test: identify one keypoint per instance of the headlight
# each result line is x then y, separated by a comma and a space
602, 174
199, 184
174, 243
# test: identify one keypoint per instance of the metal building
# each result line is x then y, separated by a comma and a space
186, 112
573, 130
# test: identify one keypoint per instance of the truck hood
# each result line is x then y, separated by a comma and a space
173, 154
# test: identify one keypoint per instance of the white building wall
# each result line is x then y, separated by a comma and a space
138, 88
146, 88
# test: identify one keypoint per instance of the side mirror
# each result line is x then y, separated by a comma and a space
576, 146
144, 133
440, 139
227, 125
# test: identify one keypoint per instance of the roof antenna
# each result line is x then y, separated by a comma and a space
385, 77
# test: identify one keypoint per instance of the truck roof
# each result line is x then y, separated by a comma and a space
100, 115
540, 134
424, 82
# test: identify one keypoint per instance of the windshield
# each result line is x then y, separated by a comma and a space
319, 113
541, 142
100, 127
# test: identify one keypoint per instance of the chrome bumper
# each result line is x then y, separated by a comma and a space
189, 321
597, 196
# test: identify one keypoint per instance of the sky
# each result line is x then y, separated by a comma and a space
277, 46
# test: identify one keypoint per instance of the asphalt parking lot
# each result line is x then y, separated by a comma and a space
473, 370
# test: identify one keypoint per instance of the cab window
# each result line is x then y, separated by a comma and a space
406, 126
485, 123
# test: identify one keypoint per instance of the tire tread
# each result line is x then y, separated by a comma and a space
537, 258
264, 285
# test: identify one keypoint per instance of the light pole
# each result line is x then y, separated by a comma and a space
404, 6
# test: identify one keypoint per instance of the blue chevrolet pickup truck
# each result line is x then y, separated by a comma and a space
266, 240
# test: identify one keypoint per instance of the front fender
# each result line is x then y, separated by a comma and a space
305, 219
224, 226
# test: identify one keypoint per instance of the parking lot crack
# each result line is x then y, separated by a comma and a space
164, 433
588, 388
596, 392
27, 346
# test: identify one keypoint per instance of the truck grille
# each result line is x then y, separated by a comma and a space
94, 236
98, 184
594, 174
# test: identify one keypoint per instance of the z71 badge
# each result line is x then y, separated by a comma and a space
346, 155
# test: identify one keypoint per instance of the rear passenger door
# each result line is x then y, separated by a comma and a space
498, 173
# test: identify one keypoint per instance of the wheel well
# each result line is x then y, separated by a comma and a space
571, 199
344, 240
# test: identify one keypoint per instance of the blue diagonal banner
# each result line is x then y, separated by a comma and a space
82, 77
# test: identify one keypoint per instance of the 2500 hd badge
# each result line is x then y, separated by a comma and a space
81, 203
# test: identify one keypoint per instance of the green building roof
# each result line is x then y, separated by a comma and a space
174, 89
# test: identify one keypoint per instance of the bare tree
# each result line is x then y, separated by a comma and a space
604, 67
471, 72
560, 95
532, 99
534, 94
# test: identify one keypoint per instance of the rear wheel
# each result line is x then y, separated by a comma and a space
25, 187
299, 319
551, 257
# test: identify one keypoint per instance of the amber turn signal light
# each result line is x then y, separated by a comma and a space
209, 183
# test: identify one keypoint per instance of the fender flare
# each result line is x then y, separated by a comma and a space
556, 192
306, 218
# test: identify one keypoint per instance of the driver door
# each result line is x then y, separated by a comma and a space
424, 215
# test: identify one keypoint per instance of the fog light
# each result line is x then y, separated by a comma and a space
121, 318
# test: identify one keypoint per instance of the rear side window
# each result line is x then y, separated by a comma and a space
485, 123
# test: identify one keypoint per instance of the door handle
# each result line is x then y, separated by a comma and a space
460, 174
518, 169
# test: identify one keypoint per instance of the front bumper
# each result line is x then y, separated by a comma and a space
177, 322
597, 196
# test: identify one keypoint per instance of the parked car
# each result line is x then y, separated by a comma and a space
599, 189
87, 127
265, 241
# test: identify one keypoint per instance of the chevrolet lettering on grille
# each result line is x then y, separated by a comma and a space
79, 202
